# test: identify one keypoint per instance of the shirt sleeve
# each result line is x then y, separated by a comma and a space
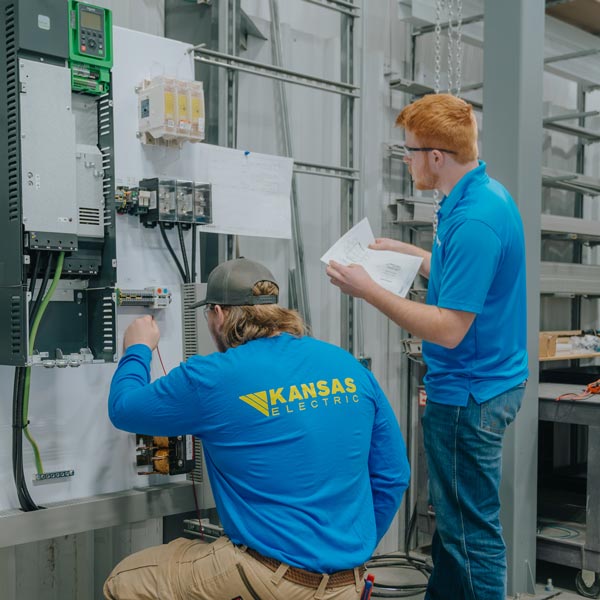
170, 406
470, 262
388, 464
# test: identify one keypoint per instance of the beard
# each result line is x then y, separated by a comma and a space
427, 180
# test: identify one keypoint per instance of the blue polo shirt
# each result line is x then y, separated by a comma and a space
303, 450
478, 266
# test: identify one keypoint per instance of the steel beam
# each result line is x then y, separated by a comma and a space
512, 147
326, 170
228, 61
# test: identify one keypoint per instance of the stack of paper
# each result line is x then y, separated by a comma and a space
391, 270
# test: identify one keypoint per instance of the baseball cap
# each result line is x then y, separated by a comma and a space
231, 283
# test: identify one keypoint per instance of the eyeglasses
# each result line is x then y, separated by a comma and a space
207, 308
408, 150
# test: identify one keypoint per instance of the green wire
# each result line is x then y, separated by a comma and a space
32, 334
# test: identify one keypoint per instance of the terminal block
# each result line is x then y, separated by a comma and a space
150, 297
165, 455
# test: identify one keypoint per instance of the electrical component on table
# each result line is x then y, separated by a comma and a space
165, 455
170, 111
151, 297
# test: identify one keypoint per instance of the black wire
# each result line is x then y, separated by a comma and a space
403, 561
163, 233
194, 251
186, 263
34, 306
25, 500
33, 276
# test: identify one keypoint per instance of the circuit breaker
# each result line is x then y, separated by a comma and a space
170, 111
57, 235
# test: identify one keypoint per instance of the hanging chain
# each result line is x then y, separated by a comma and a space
437, 87
455, 57
455, 46
438, 46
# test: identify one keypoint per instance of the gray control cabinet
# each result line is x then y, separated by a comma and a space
57, 195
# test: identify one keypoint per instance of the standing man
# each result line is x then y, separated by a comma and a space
473, 327
303, 451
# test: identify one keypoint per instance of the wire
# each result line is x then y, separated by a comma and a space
32, 335
34, 306
163, 233
34, 270
27, 504
402, 561
197, 505
186, 264
161, 360
194, 251
590, 390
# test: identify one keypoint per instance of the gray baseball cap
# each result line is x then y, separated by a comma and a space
231, 283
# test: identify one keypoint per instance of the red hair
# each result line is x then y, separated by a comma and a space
443, 121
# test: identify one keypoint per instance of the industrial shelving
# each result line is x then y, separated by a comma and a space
570, 280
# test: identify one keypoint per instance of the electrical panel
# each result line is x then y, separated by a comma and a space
170, 111
57, 240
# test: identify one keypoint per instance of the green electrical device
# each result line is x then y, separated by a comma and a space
90, 47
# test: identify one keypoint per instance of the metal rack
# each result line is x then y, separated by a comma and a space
563, 279
349, 10
581, 550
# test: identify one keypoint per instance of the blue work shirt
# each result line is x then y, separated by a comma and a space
303, 451
478, 266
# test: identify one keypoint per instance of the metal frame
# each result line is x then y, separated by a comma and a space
229, 61
229, 13
95, 512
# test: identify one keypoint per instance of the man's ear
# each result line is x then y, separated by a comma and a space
438, 157
219, 316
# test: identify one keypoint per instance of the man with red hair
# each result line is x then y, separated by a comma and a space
473, 327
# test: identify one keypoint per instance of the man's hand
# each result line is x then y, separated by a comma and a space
352, 280
404, 248
396, 246
142, 331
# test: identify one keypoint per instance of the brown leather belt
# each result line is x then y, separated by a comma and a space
308, 579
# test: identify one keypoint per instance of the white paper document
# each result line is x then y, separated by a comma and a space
391, 270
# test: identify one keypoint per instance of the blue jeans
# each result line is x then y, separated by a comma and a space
464, 455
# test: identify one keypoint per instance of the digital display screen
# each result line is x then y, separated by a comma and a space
90, 20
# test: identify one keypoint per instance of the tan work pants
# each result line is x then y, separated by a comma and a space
191, 570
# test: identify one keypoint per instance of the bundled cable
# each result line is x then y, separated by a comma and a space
163, 233
183, 266
401, 561
22, 382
